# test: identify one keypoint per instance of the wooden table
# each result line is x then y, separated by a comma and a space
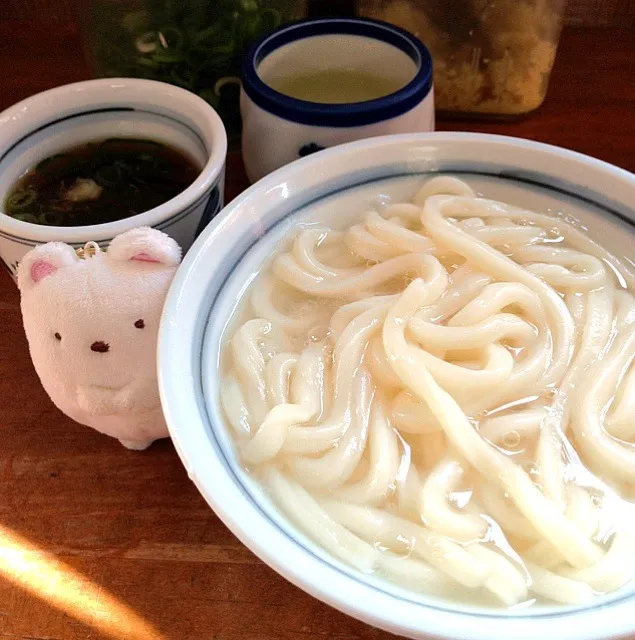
97, 541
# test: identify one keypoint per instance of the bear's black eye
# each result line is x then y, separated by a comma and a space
58, 336
140, 324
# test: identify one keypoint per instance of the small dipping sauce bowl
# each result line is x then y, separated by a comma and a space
278, 128
57, 120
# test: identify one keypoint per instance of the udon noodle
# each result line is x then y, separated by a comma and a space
443, 394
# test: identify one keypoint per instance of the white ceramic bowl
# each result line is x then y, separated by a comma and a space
339, 184
55, 120
278, 129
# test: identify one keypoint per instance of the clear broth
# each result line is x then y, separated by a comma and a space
338, 212
336, 86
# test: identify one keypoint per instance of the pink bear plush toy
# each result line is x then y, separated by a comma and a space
92, 327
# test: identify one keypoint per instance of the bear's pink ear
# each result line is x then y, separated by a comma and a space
44, 261
145, 246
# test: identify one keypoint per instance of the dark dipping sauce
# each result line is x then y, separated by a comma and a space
100, 182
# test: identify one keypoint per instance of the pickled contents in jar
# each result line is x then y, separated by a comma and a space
490, 56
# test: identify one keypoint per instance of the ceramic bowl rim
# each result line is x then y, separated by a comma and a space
182, 402
338, 115
44, 106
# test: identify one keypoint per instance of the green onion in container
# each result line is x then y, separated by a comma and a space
195, 44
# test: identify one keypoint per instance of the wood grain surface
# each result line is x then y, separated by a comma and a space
100, 542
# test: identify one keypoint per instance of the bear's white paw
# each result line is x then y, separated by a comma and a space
136, 445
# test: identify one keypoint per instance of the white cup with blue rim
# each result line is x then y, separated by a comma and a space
279, 128
62, 118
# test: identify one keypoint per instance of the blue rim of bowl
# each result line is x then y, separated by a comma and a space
339, 115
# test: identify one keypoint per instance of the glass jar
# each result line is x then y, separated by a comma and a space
491, 57
195, 44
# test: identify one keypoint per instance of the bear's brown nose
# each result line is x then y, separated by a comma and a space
99, 347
